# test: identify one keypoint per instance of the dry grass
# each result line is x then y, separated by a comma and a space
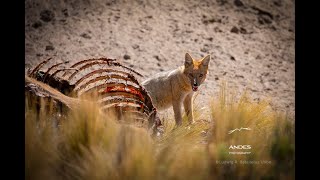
86, 144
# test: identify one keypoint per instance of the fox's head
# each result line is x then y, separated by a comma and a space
196, 70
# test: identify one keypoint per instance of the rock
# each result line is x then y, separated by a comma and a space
46, 15
157, 57
204, 50
243, 31
277, 3
135, 46
264, 17
234, 30
65, 12
205, 22
212, 20
264, 20
85, 35
216, 29
265, 74
49, 48
126, 57
266, 85
37, 24
222, 2
238, 3
262, 12
232, 58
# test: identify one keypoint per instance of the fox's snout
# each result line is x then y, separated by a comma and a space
195, 83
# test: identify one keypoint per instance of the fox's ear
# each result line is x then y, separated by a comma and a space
205, 61
188, 60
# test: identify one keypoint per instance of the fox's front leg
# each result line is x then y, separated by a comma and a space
188, 107
177, 111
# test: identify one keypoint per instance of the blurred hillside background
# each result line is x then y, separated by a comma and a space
251, 42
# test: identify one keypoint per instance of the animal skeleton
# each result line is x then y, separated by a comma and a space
115, 86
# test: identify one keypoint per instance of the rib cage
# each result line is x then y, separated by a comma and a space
116, 87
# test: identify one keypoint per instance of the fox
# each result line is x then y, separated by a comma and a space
177, 87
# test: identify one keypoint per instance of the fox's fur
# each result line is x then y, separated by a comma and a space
176, 87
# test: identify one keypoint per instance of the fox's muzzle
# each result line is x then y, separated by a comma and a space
195, 85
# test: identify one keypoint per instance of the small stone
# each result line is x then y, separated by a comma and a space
232, 58
210, 39
204, 50
266, 85
157, 57
243, 31
277, 3
135, 46
266, 74
264, 19
37, 24
234, 30
85, 35
238, 3
46, 15
216, 29
65, 12
211, 20
49, 48
126, 57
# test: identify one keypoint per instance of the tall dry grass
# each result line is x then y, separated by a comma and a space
86, 144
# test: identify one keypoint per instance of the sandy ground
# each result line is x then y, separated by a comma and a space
251, 42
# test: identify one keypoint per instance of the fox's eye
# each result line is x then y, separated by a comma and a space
201, 75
